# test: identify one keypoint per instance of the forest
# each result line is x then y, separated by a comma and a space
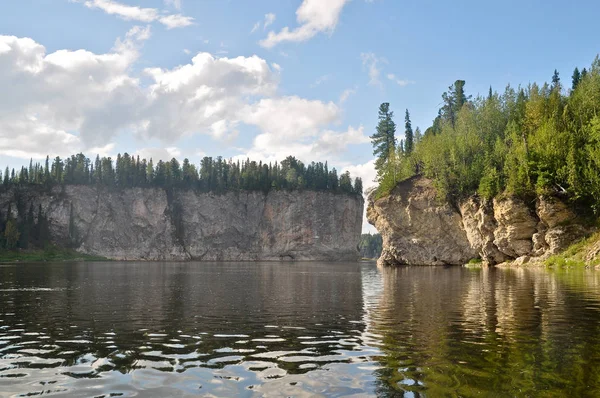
370, 245
525, 141
213, 175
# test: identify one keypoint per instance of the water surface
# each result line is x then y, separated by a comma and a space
296, 329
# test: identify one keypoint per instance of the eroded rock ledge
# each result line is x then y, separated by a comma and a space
158, 224
419, 230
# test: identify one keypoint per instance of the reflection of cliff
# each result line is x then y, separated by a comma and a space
157, 224
489, 331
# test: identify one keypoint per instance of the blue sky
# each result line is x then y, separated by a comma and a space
310, 88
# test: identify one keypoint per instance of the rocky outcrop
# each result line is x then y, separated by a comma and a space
157, 224
418, 229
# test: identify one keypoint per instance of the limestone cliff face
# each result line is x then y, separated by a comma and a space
155, 224
417, 229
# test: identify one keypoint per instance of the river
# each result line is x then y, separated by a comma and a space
296, 329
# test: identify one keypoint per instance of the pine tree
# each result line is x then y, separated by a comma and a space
384, 139
409, 141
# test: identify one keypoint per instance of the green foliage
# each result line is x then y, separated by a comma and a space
11, 234
409, 139
370, 246
533, 140
384, 139
213, 175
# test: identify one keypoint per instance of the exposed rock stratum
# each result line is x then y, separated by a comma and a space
158, 224
419, 229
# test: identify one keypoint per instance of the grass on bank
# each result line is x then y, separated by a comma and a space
578, 254
51, 253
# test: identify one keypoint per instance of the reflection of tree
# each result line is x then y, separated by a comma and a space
467, 332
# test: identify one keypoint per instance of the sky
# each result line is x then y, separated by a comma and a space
261, 78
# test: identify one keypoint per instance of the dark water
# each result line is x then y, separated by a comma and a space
298, 329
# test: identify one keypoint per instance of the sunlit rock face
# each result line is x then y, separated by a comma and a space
156, 224
418, 229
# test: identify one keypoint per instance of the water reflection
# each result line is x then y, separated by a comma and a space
298, 329
482, 332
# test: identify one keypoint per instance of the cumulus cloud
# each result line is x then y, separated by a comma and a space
140, 14
47, 97
367, 173
313, 16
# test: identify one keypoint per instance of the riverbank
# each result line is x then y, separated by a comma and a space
50, 254
582, 254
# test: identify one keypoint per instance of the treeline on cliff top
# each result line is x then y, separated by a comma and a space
213, 175
524, 141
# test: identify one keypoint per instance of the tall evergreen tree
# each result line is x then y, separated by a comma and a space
409, 139
384, 139
555, 80
575, 78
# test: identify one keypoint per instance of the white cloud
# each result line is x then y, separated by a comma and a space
400, 82
346, 94
176, 21
140, 14
156, 154
40, 110
186, 51
268, 20
372, 63
367, 173
313, 16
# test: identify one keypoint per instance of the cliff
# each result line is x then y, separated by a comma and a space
418, 229
157, 224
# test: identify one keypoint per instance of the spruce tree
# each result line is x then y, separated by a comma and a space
555, 80
384, 139
409, 140
575, 78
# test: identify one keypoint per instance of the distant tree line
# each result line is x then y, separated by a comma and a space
525, 141
370, 245
213, 174
29, 229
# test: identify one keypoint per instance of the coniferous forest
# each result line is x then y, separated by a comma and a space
522, 141
213, 175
